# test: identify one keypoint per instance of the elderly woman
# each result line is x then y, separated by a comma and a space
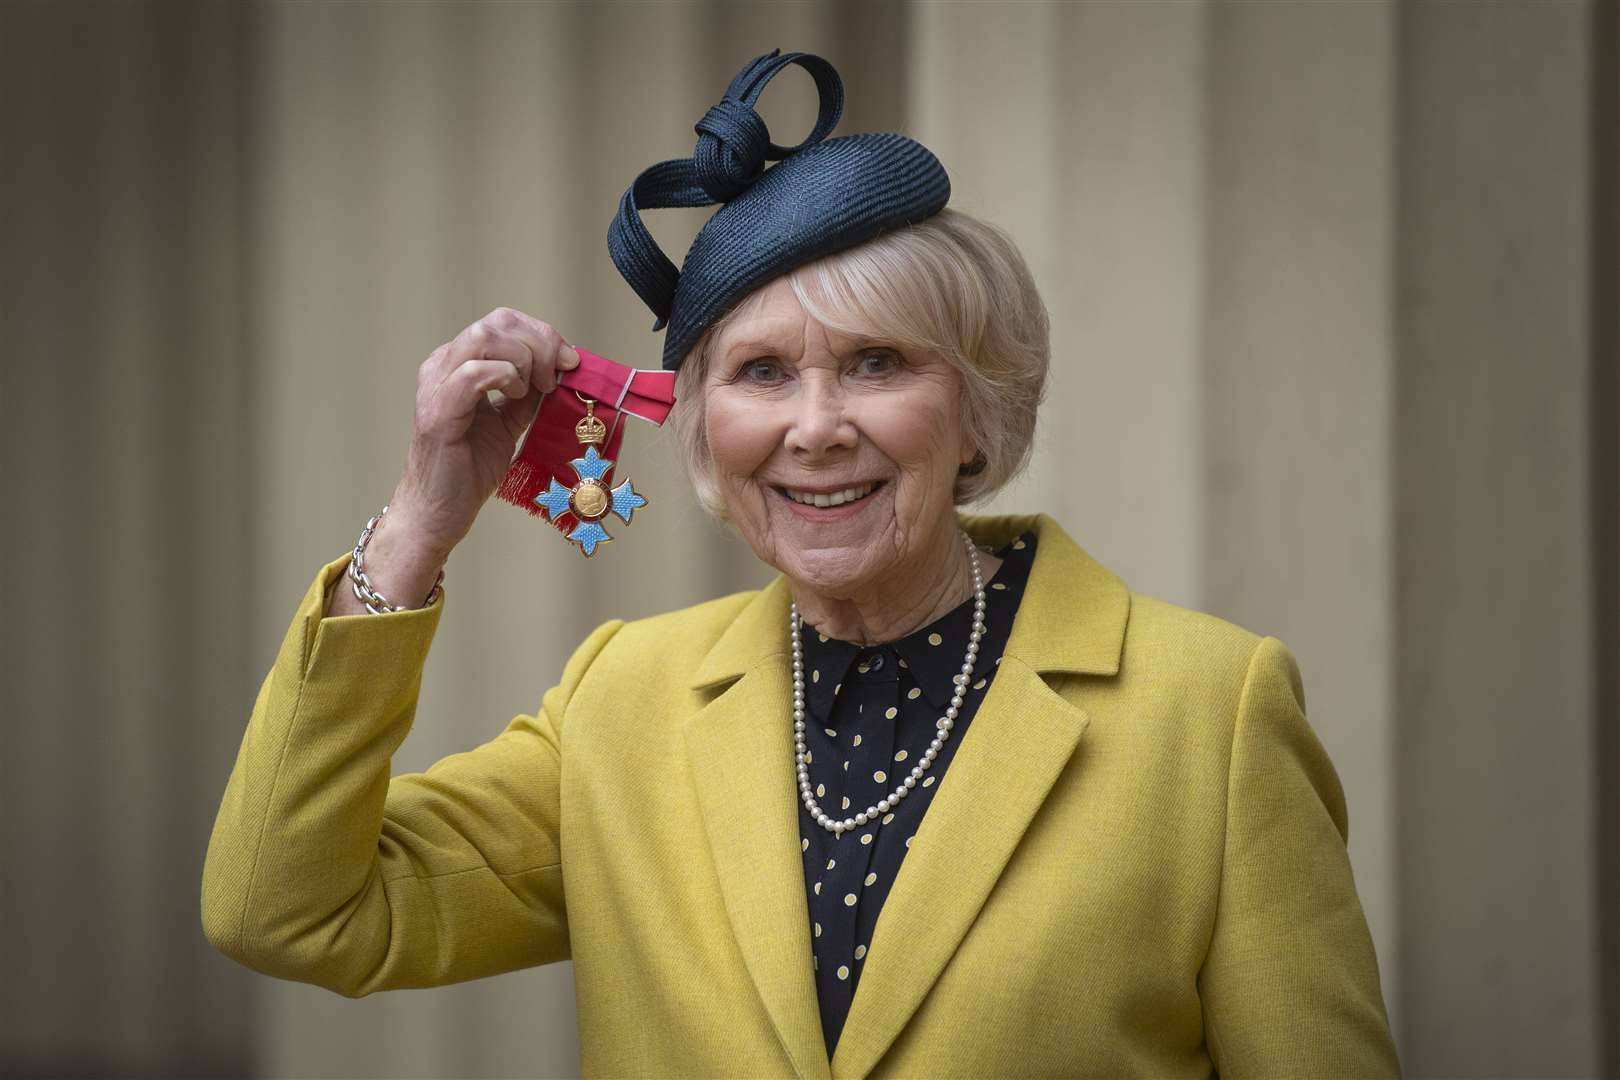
945, 798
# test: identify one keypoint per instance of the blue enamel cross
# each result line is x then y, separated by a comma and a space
590, 501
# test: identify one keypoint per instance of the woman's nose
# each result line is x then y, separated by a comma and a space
820, 420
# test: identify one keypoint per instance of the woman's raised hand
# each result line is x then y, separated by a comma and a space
461, 445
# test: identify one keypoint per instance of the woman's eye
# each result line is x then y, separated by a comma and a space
761, 371
877, 363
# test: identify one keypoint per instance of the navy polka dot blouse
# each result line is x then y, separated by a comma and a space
870, 714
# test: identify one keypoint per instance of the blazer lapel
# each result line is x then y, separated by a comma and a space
1071, 620
1019, 741
740, 747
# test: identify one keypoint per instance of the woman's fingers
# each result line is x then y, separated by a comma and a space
531, 345
552, 354
444, 410
500, 335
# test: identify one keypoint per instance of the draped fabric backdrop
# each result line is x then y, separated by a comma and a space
1323, 279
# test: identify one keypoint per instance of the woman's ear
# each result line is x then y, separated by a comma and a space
974, 466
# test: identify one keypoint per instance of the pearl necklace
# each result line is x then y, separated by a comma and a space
945, 723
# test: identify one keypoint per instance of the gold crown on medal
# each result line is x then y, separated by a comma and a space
590, 430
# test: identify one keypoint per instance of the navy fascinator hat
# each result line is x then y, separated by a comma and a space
824, 195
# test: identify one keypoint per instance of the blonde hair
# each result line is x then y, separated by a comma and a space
952, 285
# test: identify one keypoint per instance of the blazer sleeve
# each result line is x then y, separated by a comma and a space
1290, 985
324, 869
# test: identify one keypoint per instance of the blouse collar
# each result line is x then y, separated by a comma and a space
933, 653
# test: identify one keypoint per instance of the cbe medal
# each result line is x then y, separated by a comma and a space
552, 479
590, 499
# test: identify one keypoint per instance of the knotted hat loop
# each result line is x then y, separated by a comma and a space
732, 148
824, 196
732, 154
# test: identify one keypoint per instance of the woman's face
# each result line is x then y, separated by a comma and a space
836, 455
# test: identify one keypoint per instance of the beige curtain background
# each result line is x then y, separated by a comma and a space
1333, 289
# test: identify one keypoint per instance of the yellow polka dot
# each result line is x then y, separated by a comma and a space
846, 802
998, 660
901, 756
818, 884
831, 863
818, 929
815, 676
998, 585
913, 694
866, 838
1018, 545
863, 669
871, 878
903, 662
806, 845
849, 899
846, 766
843, 971
979, 685
837, 688
909, 839
857, 741
830, 732
886, 819
822, 636
890, 713
860, 951
927, 781
821, 791
880, 776
934, 639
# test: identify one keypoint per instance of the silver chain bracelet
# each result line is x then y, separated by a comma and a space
375, 602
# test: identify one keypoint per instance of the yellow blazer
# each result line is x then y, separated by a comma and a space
1135, 864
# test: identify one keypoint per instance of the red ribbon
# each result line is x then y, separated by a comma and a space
550, 444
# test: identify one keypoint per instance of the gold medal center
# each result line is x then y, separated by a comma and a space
590, 500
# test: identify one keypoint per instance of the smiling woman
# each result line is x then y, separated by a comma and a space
873, 818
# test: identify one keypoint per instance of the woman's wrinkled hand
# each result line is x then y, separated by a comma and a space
462, 442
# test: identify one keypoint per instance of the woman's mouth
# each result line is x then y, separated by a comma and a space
834, 498
823, 505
